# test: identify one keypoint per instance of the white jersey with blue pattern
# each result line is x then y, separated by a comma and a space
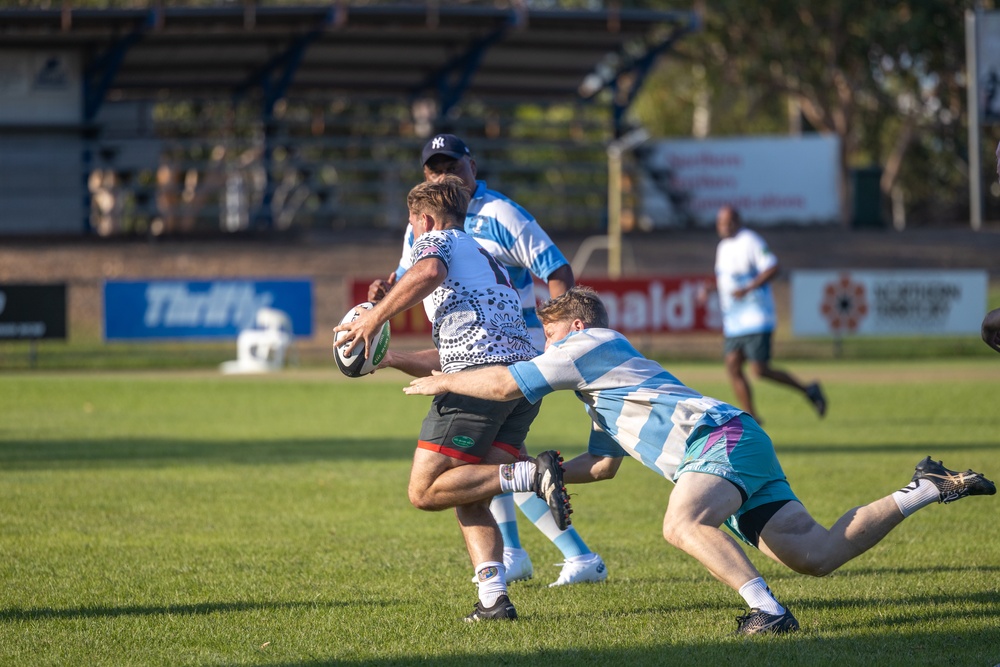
738, 260
636, 406
475, 313
514, 239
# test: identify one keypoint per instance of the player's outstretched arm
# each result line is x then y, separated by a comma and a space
589, 467
560, 281
417, 364
494, 383
379, 288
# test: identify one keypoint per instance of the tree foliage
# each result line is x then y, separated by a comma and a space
887, 77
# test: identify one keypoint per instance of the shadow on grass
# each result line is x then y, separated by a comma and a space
907, 648
199, 609
924, 607
899, 638
158, 452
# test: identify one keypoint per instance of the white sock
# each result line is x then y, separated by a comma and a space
491, 577
915, 495
517, 476
758, 596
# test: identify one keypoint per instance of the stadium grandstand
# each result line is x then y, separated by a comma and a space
179, 118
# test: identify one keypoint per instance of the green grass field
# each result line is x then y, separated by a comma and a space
185, 518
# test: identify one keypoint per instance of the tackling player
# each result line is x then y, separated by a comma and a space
723, 463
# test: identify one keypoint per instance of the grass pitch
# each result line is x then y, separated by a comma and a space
186, 518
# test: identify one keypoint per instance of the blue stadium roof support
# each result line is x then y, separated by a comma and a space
465, 66
100, 73
287, 63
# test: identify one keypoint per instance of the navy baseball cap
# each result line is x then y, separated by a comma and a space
444, 144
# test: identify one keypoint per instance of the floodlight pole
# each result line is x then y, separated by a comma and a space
615, 150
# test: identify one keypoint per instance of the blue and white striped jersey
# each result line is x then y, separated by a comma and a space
636, 406
738, 260
514, 239
475, 313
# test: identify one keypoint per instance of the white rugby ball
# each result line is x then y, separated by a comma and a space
356, 364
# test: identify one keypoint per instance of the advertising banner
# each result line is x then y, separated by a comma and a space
771, 180
201, 309
29, 312
635, 305
40, 86
659, 304
888, 303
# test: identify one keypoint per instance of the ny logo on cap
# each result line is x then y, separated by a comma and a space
437, 143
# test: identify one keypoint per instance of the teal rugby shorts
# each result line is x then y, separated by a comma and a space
740, 452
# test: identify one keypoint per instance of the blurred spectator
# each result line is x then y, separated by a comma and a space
106, 201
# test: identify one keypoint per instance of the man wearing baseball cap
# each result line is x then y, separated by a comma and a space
445, 144
516, 240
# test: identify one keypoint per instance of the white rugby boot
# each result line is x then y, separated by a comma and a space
518, 565
589, 568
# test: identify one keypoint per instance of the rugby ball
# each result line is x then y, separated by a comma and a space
356, 364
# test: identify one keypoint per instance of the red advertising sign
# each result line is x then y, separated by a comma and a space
659, 304
635, 305
413, 321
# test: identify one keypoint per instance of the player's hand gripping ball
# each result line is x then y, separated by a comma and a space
356, 364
